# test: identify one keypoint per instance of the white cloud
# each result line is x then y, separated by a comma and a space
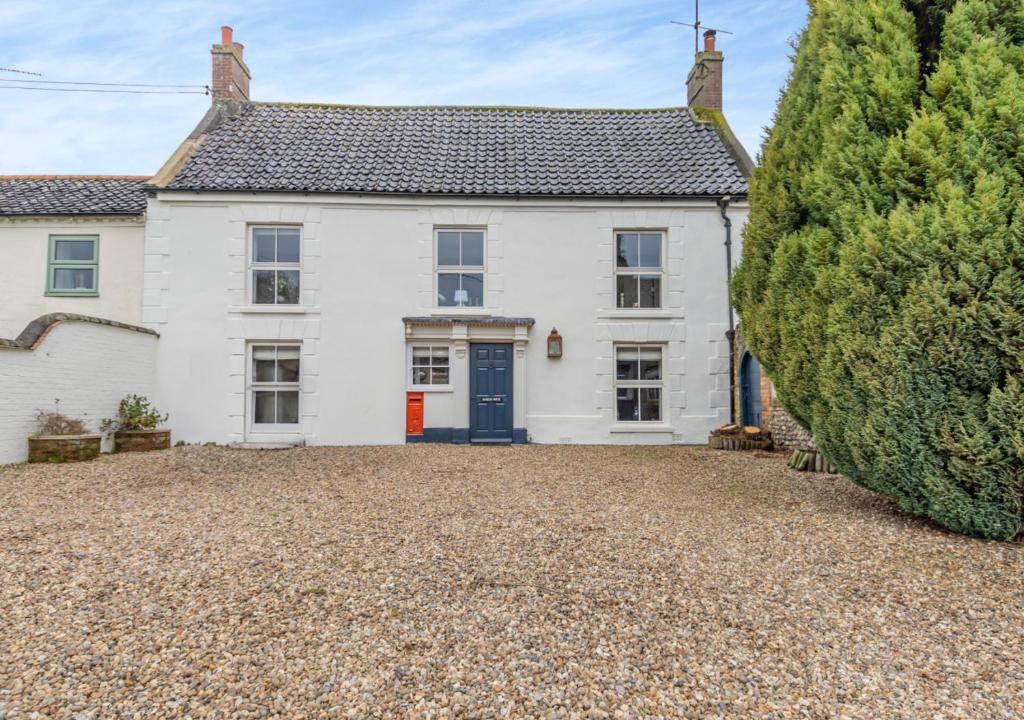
589, 53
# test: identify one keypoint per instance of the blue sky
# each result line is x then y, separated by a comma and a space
564, 53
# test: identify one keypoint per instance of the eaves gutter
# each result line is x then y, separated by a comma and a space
711, 197
140, 214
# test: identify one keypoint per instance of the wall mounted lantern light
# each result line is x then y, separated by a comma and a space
554, 344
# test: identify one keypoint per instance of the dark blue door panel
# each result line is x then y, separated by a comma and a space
490, 393
750, 391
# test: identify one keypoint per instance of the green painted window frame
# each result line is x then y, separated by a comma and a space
52, 265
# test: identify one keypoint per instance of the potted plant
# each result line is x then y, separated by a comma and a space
136, 427
60, 438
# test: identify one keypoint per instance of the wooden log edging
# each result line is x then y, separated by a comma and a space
732, 442
807, 460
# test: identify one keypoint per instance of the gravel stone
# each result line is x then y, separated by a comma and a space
468, 582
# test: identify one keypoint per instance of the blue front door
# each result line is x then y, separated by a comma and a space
490, 393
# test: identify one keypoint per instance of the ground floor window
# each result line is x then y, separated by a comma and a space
430, 365
638, 383
275, 386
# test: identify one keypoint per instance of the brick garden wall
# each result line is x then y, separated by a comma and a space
72, 448
88, 366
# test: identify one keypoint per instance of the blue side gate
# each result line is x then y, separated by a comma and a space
750, 390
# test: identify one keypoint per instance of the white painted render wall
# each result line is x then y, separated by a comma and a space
25, 244
368, 261
88, 367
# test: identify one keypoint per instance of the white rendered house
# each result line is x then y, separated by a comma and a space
330, 274
363, 275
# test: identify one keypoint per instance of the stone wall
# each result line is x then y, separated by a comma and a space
786, 432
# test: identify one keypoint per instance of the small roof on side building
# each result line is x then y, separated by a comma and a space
484, 151
34, 195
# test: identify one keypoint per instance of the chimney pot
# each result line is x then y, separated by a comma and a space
704, 83
709, 40
230, 79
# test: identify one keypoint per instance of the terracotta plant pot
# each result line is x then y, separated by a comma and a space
63, 448
141, 440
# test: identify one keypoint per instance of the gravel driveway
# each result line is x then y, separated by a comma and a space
430, 581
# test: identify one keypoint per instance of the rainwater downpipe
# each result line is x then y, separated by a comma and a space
723, 207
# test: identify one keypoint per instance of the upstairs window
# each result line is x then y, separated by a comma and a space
275, 260
638, 383
639, 266
73, 267
460, 268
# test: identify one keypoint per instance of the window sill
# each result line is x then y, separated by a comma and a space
640, 427
275, 309
642, 314
467, 311
270, 431
430, 388
72, 294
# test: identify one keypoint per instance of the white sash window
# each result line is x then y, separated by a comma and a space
275, 383
639, 383
639, 269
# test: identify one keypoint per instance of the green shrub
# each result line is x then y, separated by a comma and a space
882, 281
134, 413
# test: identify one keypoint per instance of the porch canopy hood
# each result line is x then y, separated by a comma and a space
449, 320
469, 328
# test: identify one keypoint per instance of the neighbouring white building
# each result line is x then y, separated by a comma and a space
334, 274
70, 244
70, 301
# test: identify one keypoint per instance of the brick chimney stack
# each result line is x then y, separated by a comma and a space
230, 74
704, 83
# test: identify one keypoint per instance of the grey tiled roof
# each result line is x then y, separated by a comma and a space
462, 151
71, 195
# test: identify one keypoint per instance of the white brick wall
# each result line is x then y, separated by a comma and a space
89, 367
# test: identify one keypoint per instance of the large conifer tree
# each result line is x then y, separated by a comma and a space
882, 282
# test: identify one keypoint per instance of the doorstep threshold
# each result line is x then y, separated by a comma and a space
485, 441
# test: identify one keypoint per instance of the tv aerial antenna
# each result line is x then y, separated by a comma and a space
698, 26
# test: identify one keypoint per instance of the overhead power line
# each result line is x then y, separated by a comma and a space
103, 84
20, 72
98, 90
